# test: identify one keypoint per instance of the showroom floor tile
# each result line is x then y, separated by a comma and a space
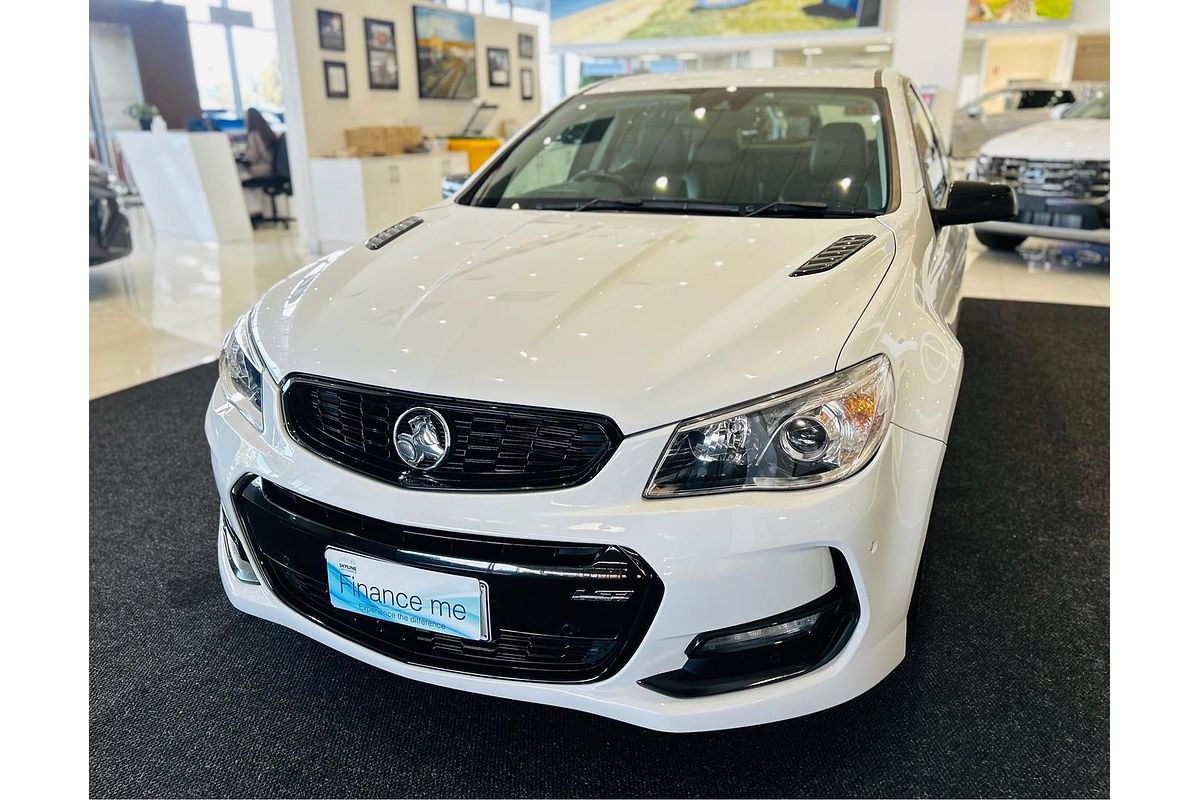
164, 308
996, 275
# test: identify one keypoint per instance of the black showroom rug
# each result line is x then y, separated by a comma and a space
1006, 696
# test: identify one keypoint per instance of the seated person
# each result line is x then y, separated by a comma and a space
259, 159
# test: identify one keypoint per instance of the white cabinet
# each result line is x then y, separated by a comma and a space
358, 197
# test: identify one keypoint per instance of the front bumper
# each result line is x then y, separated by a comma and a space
1072, 219
723, 560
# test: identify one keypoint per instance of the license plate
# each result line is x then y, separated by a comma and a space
432, 601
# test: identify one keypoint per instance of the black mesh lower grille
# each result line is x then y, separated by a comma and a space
492, 447
542, 627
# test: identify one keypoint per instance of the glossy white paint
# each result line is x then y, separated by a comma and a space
649, 319
1053, 140
692, 313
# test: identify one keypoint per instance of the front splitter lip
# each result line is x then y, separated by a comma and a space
723, 560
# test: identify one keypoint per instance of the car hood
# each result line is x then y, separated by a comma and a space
645, 318
1054, 140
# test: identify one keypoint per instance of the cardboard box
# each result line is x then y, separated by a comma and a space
367, 141
398, 139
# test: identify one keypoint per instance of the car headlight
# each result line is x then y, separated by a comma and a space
241, 372
821, 432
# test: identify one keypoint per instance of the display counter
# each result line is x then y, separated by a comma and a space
189, 184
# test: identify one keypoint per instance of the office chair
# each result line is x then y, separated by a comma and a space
279, 182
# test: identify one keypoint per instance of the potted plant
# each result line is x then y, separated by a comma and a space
144, 113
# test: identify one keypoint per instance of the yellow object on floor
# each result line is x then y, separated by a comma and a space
477, 150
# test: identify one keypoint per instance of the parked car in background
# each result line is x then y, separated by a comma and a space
452, 183
1005, 110
108, 228
646, 421
1060, 171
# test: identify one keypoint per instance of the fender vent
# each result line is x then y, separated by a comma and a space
835, 254
387, 234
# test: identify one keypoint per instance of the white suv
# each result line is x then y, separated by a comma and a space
1060, 171
645, 421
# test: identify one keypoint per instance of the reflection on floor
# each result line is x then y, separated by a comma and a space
165, 307
1042, 271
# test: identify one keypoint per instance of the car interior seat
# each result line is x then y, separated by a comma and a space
838, 167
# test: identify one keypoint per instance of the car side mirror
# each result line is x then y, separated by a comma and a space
974, 112
976, 201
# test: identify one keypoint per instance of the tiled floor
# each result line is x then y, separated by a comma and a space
997, 275
165, 307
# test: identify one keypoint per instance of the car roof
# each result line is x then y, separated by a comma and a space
838, 78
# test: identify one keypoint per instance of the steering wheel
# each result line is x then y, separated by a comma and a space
593, 174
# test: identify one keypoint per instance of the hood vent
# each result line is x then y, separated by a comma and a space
835, 254
387, 234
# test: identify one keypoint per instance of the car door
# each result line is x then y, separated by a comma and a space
942, 272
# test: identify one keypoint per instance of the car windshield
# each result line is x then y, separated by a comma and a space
727, 150
1095, 107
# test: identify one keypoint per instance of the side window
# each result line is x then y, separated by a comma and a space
929, 150
1045, 98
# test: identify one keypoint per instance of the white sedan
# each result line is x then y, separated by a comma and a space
645, 421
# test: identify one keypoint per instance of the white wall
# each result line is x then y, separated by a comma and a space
928, 47
1089, 16
325, 119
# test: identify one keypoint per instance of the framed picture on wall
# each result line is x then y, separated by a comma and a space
382, 68
526, 83
497, 61
524, 45
445, 54
330, 31
337, 84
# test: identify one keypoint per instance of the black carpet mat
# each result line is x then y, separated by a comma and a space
1007, 694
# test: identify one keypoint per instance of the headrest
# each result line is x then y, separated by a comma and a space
840, 146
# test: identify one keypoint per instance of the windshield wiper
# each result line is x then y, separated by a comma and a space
806, 209
648, 205
691, 206
595, 204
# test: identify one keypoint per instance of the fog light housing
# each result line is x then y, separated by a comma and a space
756, 637
239, 562
767, 650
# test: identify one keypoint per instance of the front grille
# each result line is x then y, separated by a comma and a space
541, 628
493, 447
1073, 179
